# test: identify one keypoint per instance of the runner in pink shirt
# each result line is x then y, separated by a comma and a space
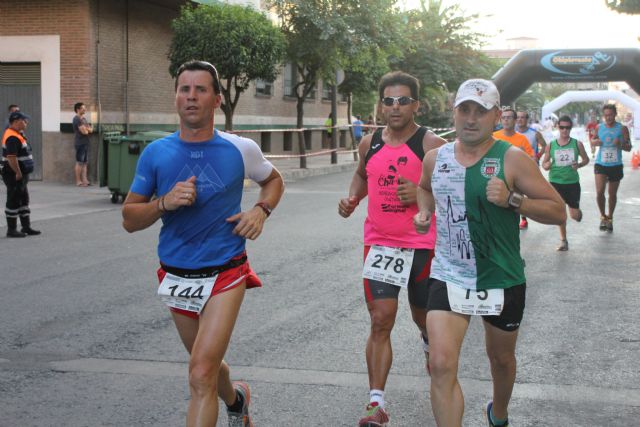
396, 256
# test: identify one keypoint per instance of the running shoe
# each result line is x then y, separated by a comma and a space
609, 225
603, 223
487, 411
376, 416
524, 223
242, 418
564, 246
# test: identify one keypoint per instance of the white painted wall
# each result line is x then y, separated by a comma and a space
46, 51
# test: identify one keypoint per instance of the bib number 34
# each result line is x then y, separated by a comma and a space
389, 265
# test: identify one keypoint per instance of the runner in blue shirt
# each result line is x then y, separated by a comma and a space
197, 176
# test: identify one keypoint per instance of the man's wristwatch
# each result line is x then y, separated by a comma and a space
515, 200
265, 207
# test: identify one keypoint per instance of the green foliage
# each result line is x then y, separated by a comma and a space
311, 35
541, 93
352, 35
241, 42
533, 99
364, 104
367, 49
442, 51
631, 7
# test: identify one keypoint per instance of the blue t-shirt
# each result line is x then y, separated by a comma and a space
609, 154
199, 236
357, 128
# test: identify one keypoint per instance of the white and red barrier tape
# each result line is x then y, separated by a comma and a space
317, 153
322, 152
321, 128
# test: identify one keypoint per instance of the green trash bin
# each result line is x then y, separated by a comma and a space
103, 156
122, 160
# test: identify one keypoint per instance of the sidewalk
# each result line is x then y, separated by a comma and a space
54, 200
316, 165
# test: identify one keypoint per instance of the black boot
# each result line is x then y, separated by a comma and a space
12, 228
26, 226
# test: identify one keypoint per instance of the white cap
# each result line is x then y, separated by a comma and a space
480, 91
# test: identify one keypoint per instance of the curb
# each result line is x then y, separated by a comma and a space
294, 174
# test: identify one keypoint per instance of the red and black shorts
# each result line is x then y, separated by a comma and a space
416, 288
230, 276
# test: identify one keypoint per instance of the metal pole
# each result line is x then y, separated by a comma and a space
334, 122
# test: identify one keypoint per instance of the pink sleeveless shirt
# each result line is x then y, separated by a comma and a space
389, 222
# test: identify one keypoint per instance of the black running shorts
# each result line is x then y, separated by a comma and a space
613, 173
510, 318
417, 286
570, 193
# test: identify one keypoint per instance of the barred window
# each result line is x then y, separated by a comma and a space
264, 87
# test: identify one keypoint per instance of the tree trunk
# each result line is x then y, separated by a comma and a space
353, 137
228, 116
228, 121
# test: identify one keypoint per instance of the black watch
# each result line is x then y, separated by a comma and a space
515, 200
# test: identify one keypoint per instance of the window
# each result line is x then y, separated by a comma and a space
287, 141
290, 79
312, 93
264, 87
326, 91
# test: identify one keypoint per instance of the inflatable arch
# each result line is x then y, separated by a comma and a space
595, 95
571, 65
574, 65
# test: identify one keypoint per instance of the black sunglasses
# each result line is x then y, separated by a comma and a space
564, 127
401, 100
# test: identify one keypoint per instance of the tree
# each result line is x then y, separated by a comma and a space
533, 99
241, 42
631, 7
309, 30
367, 50
442, 52
322, 37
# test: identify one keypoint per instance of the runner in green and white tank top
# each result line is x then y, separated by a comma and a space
561, 160
478, 246
478, 186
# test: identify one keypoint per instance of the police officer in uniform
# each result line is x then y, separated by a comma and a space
17, 164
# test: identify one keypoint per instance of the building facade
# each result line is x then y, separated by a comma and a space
112, 55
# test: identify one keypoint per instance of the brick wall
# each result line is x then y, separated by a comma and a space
111, 28
278, 106
102, 42
81, 24
151, 85
71, 20
134, 42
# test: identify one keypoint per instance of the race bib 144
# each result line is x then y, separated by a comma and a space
186, 294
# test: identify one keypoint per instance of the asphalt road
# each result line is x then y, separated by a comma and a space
85, 342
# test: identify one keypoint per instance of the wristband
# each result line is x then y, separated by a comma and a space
161, 206
265, 207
